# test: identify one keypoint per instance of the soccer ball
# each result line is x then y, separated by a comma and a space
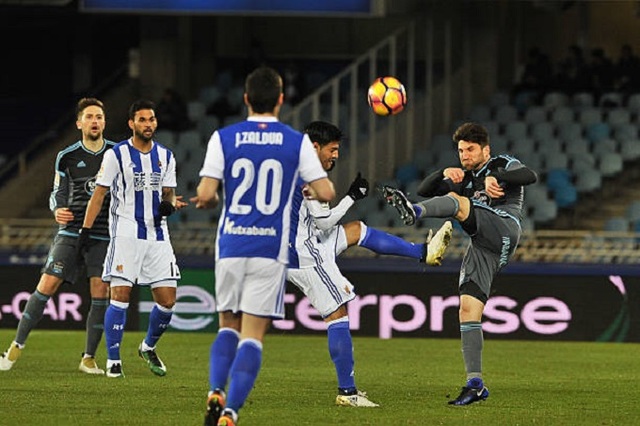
387, 96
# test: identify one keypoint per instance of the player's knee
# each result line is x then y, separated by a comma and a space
472, 289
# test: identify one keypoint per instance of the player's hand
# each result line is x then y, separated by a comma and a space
179, 203
456, 174
205, 204
63, 215
83, 241
493, 188
359, 188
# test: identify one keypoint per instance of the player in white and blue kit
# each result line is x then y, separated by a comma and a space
317, 238
258, 162
141, 175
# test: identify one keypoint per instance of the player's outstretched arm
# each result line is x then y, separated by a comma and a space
207, 193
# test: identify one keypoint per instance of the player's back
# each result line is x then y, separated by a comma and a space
261, 166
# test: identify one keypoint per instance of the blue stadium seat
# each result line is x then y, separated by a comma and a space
598, 131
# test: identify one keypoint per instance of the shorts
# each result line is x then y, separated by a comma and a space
493, 244
141, 262
63, 263
324, 285
334, 240
253, 285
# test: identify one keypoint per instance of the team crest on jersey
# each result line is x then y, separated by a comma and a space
90, 185
159, 164
262, 126
119, 268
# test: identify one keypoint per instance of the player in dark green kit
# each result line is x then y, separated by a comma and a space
485, 195
75, 174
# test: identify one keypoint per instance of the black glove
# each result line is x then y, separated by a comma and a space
166, 208
83, 241
359, 188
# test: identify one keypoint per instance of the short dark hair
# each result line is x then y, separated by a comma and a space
471, 132
138, 105
323, 132
87, 102
263, 88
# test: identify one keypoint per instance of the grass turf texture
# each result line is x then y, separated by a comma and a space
541, 383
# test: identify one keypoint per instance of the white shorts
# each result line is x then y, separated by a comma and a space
254, 285
140, 262
324, 285
334, 240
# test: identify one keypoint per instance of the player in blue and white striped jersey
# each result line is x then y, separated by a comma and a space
317, 238
141, 175
257, 162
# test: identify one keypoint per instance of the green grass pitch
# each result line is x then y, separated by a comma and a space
531, 383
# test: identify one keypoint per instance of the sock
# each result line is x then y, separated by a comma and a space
31, 315
472, 342
244, 372
115, 319
341, 352
221, 356
383, 243
443, 206
95, 325
159, 320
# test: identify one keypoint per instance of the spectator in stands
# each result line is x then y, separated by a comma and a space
601, 73
486, 196
572, 76
535, 80
627, 71
172, 112
75, 175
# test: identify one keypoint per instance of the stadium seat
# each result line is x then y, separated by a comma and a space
566, 196
630, 149
550, 145
610, 100
542, 130
589, 181
556, 160
208, 95
552, 100
562, 114
577, 145
598, 131
505, 114
616, 224
582, 100
569, 130
499, 145
633, 103
604, 146
618, 116
589, 116
515, 130
535, 114
610, 164
534, 194
632, 212
625, 131
493, 127
544, 211
582, 162
523, 147
557, 178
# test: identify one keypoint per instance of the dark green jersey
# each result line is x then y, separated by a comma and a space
74, 181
